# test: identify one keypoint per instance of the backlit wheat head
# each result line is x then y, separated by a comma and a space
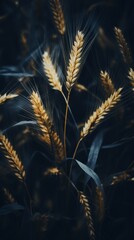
87, 211
124, 49
6, 97
75, 60
46, 126
12, 157
51, 73
100, 113
107, 82
131, 76
58, 16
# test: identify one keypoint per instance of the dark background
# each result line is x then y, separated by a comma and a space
25, 28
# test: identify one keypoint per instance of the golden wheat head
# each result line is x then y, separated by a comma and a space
41, 115
131, 76
100, 113
9, 196
107, 82
75, 60
6, 97
46, 126
58, 16
124, 49
87, 211
51, 73
12, 157
52, 171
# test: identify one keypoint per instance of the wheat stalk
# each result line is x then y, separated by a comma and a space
46, 126
6, 97
75, 60
98, 115
72, 72
124, 49
12, 157
58, 16
87, 211
51, 73
131, 76
107, 82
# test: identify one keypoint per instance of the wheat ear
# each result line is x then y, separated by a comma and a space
58, 16
87, 211
75, 60
6, 97
124, 49
98, 115
131, 76
51, 73
100, 204
46, 126
12, 157
72, 73
107, 82
9, 196
52, 171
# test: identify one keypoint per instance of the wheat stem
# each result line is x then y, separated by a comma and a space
65, 122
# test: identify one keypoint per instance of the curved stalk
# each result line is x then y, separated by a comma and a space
65, 121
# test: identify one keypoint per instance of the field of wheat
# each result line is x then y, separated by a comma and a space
66, 120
